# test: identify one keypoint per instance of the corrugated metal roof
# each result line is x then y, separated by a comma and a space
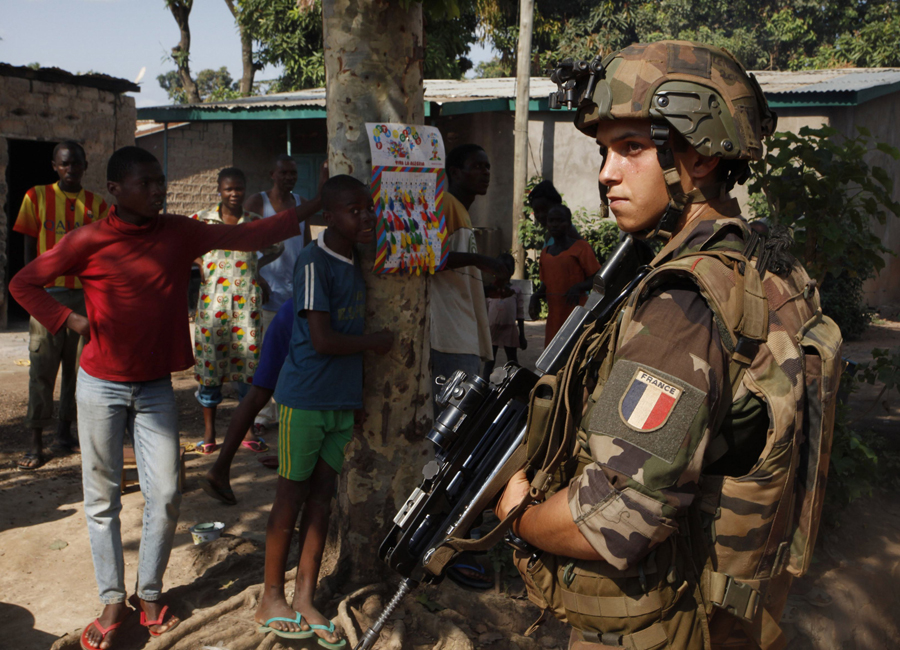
833, 87
832, 80
57, 75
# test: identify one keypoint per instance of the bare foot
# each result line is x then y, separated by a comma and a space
111, 615
312, 616
271, 607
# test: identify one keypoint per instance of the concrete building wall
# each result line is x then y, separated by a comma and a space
880, 116
101, 121
196, 153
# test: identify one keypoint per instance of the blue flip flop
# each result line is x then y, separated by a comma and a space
298, 619
330, 629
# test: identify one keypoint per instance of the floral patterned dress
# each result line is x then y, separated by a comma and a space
228, 325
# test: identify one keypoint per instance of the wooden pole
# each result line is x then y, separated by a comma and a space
520, 163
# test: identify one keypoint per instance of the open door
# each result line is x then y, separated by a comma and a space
29, 165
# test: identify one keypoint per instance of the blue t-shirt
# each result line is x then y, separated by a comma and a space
324, 281
275, 347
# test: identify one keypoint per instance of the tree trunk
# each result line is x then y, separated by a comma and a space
181, 11
373, 66
249, 70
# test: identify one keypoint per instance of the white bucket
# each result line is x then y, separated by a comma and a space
207, 532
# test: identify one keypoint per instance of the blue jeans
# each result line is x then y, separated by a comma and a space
210, 396
105, 410
446, 363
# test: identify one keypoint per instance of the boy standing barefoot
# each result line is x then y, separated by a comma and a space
318, 389
135, 266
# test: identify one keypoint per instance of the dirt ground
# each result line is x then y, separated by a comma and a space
850, 599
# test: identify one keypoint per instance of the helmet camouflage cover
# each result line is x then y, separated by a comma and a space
700, 90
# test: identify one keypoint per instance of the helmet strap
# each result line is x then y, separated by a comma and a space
678, 199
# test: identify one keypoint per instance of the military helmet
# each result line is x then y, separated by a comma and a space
701, 91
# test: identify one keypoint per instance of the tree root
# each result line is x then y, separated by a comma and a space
346, 620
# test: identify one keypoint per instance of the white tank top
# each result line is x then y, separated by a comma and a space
280, 273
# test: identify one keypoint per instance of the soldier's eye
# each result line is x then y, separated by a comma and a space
603, 151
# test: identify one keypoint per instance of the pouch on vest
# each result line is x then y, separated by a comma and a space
820, 340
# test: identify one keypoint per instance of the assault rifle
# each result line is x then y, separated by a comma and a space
479, 442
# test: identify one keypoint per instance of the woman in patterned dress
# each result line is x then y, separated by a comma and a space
228, 326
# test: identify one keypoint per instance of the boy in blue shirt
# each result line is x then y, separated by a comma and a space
319, 387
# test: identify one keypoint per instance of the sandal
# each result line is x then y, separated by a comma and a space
103, 632
205, 448
298, 619
330, 630
31, 462
257, 446
159, 621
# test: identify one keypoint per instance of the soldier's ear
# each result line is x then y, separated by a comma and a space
701, 169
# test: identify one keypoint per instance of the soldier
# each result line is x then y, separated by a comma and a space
675, 528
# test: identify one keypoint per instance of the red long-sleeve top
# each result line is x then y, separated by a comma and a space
135, 281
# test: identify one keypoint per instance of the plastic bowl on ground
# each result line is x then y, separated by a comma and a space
207, 532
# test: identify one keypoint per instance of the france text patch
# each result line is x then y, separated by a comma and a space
648, 401
680, 430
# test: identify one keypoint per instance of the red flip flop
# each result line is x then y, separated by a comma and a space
103, 632
159, 621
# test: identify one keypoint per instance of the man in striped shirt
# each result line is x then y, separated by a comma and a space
48, 212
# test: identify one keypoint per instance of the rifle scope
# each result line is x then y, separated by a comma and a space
460, 397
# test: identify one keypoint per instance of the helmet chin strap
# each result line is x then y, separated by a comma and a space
679, 200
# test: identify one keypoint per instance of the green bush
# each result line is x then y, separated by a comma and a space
818, 183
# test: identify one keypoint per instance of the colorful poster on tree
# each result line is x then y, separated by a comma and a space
408, 185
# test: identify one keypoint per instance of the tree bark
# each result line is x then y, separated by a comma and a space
249, 69
373, 66
181, 11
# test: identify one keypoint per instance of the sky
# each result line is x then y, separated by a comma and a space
120, 37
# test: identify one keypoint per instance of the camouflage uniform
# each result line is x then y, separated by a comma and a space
704, 441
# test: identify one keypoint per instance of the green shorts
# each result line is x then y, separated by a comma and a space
306, 436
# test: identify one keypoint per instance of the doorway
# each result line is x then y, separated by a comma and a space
29, 165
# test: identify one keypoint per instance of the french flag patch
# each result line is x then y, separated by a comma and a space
648, 401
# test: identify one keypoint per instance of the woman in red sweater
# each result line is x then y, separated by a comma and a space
135, 267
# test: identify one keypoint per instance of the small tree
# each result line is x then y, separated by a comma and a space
819, 183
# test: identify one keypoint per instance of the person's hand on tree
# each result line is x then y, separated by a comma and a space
80, 325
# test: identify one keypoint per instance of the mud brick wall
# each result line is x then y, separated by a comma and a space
100, 120
196, 153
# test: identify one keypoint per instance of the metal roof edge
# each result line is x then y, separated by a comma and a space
193, 114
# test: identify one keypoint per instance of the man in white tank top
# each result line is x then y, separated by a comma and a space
277, 276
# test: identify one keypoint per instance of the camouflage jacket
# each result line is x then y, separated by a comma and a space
647, 427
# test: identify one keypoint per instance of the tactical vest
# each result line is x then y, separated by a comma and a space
723, 578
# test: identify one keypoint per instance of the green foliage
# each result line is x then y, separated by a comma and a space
601, 234
861, 461
819, 183
289, 36
853, 464
447, 41
763, 34
883, 369
490, 69
213, 86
